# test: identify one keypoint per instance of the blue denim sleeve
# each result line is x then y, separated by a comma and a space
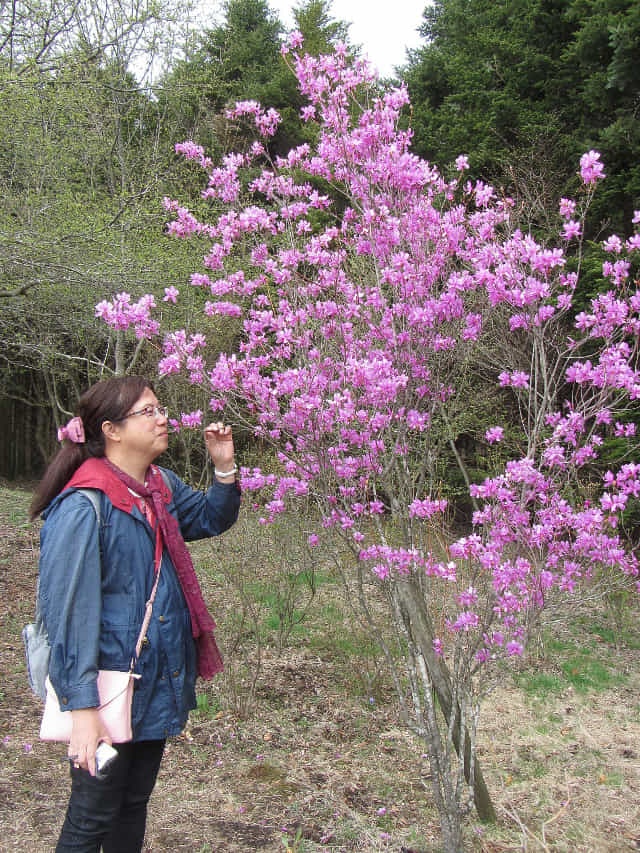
71, 599
203, 515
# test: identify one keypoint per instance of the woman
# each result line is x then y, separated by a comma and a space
95, 580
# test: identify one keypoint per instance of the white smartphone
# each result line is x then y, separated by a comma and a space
105, 754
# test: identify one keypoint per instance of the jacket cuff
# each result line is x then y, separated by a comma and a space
234, 485
78, 697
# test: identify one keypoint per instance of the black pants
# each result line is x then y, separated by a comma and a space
112, 812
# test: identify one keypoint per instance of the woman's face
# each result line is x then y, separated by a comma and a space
143, 431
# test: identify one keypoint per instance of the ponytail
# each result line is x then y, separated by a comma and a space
61, 469
108, 400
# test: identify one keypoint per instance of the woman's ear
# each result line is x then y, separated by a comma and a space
111, 431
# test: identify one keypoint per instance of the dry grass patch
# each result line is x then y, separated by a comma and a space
319, 761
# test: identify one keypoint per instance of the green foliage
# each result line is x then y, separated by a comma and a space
313, 19
244, 52
207, 705
521, 82
584, 673
86, 156
240, 60
87, 153
582, 664
237, 60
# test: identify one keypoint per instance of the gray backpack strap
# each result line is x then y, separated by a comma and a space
166, 479
94, 497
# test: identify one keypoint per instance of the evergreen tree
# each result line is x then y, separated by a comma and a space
320, 30
240, 60
236, 60
525, 86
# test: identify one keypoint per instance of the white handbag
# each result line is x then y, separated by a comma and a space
115, 690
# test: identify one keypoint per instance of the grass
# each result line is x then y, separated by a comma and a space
321, 750
208, 706
576, 661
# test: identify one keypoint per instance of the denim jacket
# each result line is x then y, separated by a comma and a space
93, 588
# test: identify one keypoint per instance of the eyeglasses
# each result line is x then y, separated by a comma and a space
149, 412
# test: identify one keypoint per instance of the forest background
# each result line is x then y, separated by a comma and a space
93, 98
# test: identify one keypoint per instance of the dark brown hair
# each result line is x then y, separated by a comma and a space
108, 400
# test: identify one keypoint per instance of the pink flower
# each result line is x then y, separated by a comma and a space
228, 308
625, 430
192, 419
170, 294
426, 508
190, 150
591, 170
296, 39
517, 379
613, 244
571, 229
170, 364
466, 621
494, 434
567, 207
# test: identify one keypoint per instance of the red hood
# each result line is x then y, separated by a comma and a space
94, 474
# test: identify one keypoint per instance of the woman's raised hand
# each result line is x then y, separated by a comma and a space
219, 440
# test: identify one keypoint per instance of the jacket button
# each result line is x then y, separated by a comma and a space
160, 618
64, 700
176, 673
145, 641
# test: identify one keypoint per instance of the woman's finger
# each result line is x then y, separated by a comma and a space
219, 431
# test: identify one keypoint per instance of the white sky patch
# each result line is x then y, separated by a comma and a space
383, 28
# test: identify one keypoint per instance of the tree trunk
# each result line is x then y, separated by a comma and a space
419, 626
451, 836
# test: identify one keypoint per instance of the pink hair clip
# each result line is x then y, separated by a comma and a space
74, 431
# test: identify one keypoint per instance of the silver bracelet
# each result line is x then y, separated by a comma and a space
234, 470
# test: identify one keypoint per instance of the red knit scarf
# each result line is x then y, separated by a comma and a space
209, 658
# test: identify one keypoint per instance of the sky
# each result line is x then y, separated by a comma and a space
383, 28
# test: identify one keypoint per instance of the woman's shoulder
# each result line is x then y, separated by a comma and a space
74, 501
174, 488
171, 479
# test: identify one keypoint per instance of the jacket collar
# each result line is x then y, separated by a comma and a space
94, 474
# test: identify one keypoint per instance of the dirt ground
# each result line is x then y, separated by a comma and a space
319, 766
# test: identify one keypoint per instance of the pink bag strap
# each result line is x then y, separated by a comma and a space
147, 618
148, 606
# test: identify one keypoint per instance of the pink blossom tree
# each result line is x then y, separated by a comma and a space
370, 289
